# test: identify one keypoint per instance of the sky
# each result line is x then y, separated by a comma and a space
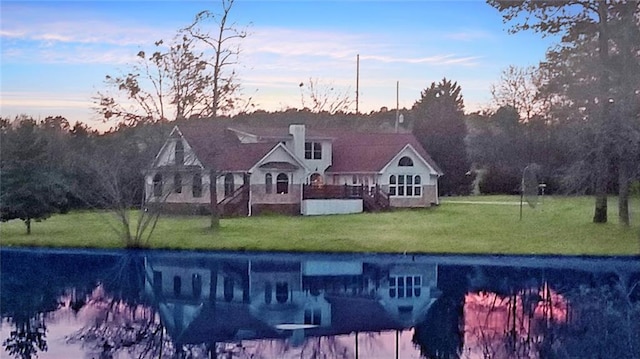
55, 54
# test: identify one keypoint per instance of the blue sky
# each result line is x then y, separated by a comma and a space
55, 54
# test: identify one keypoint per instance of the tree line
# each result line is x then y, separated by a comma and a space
575, 116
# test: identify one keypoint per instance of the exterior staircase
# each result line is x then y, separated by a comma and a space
236, 204
375, 200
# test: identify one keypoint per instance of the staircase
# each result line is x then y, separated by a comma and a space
236, 204
375, 200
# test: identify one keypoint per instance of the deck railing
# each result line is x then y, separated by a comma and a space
331, 192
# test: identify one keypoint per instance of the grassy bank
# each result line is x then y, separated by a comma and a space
483, 224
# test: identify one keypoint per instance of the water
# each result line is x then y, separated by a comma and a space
164, 304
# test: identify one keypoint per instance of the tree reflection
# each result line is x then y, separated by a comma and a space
28, 337
604, 322
588, 322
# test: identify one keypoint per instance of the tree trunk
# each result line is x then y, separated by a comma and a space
27, 223
623, 193
600, 215
213, 194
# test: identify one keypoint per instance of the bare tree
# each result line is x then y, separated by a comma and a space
176, 81
224, 45
324, 97
170, 83
517, 88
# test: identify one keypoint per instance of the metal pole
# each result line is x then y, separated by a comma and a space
397, 104
357, 81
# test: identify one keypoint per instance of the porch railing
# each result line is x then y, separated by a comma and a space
332, 192
374, 198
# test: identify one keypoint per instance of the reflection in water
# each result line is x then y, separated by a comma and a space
514, 326
208, 305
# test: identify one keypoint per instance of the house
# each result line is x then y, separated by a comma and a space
207, 298
296, 170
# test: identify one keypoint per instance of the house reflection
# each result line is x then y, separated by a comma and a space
209, 300
196, 304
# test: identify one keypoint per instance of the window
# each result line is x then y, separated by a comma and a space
405, 162
228, 289
177, 183
313, 150
177, 286
313, 316
405, 286
157, 282
405, 185
197, 185
157, 185
179, 153
392, 185
196, 285
268, 183
282, 292
282, 183
268, 290
229, 186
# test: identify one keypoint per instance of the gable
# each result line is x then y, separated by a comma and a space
409, 160
279, 158
166, 155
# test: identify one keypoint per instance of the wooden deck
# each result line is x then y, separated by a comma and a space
374, 199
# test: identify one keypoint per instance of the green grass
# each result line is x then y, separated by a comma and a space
560, 225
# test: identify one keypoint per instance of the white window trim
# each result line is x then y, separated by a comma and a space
413, 186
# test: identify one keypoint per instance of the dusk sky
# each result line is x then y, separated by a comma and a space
56, 54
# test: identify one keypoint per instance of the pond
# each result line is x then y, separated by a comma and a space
170, 304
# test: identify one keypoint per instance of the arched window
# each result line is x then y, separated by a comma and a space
282, 183
228, 289
196, 285
268, 290
157, 282
179, 153
197, 185
417, 183
405, 162
157, 185
282, 292
268, 183
177, 286
405, 185
177, 183
392, 185
229, 186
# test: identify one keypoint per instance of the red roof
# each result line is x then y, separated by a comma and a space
370, 152
218, 147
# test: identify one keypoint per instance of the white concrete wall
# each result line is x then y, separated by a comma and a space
314, 207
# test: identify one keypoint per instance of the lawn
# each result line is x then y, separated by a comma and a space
484, 224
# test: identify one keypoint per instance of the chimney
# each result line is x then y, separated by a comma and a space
299, 138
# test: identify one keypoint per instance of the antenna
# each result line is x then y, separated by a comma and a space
357, 80
397, 104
